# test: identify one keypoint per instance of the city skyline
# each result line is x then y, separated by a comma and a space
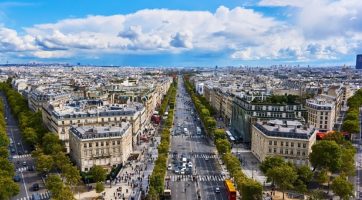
182, 33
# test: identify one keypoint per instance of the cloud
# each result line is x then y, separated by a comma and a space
182, 39
10, 41
245, 55
53, 54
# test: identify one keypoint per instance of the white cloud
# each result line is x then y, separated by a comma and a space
246, 54
182, 39
10, 41
53, 54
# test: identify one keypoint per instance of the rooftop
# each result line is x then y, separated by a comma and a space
86, 132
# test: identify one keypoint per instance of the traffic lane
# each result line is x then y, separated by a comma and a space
32, 177
209, 188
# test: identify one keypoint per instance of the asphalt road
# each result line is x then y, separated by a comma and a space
27, 178
196, 147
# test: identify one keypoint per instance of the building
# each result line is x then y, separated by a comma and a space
359, 61
107, 146
321, 114
40, 96
59, 117
289, 139
247, 108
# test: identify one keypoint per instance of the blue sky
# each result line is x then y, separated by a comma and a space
182, 32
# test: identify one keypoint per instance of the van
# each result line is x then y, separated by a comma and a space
184, 160
36, 196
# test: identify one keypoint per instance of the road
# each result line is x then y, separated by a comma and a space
197, 148
27, 178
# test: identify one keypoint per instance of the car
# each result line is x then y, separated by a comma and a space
190, 164
11, 145
10, 159
15, 168
178, 165
30, 168
36, 187
12, 150
174, 161
24, 163
26, 151
223, 173
16, 178
20, 152
6, 118
189, 160
206, 158
182, 172
18, 144
217, 190
175, 152
169, 167
183, 155
183, 166
176, 170
189, 171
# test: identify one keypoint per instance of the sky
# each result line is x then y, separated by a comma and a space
202, 33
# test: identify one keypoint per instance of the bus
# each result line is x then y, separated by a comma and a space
230, 189
198, 130
166, 194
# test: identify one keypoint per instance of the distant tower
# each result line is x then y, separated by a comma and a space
344, 68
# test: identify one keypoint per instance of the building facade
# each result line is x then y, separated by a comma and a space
289, 139
105, 146
321, 114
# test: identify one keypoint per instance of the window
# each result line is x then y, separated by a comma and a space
326, 118
298, 153
107, 143
97, 151
115, 119
113, 142
281, 151
321, 113
85, 153
102, 119
303, 153
63, 122
270, 142
90, 152
325, 122
96, 144
292, 144
325, 126
281, 143
298, 144
107, 151
86, 121
321, 117
320, 126
270, 150
298, 161
102, 144
275, 142
90, 144
71, 122
119, 149
286, 143
303, 162
275, 150
291, 152
102, 151
85, 145
286, 151
304, 145
78, 121
118, 142
321, 122
109, 119
114, 150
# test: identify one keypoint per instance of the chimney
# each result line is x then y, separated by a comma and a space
79, 125
279, 127
295, 128
305, 127
120, 124
264, 123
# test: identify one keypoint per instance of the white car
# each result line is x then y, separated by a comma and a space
169, 167
206, 158
217, 190
183, 166
223, 173
190, 164
182, 171
6, 118
176, 170
178, 124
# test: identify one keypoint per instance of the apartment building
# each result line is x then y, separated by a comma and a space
246, 111
289, 139
40, 96
106, 146
59, 117
321, 114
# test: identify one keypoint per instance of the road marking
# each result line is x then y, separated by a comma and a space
26, 191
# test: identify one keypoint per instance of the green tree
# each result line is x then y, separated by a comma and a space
44, 163
4, 153
99, 174
335, 136
348, 161
284, 176
342, 187
351, 126
301, 187
322, 177
271, 162
61, 159
219, 134
52, 144
30, 136
4, 140
54, 185
66, 194
8, 188
251, 188
305, 174
6, 169
71, 174
352, 116
99, 187
326, 154
223, 146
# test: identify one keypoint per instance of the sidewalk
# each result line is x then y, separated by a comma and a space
141, 170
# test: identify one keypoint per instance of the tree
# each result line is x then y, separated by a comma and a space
351, 126
99, 174
54, 185
305, 174
44, 163
270, 163
8, 188
348, 161
71, 174
251, 188
4, 153
352, 116
284, 176
60, 159
223, 146
301, 187
322, 177
334, 136
326, 154
219, 134
66, 194
30, 136
99, 187
4, 140
7, 169
52, 144
342, 187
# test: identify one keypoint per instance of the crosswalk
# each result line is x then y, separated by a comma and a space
199, 178
45, 195
194, 156
24, 169
22, 156
182, 135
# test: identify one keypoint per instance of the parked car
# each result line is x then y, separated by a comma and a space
30, 168
16, 178
36, 187
169, 167
176, 170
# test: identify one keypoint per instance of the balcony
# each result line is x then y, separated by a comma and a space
101, 155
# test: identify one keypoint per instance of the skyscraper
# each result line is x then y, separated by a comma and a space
359, 61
